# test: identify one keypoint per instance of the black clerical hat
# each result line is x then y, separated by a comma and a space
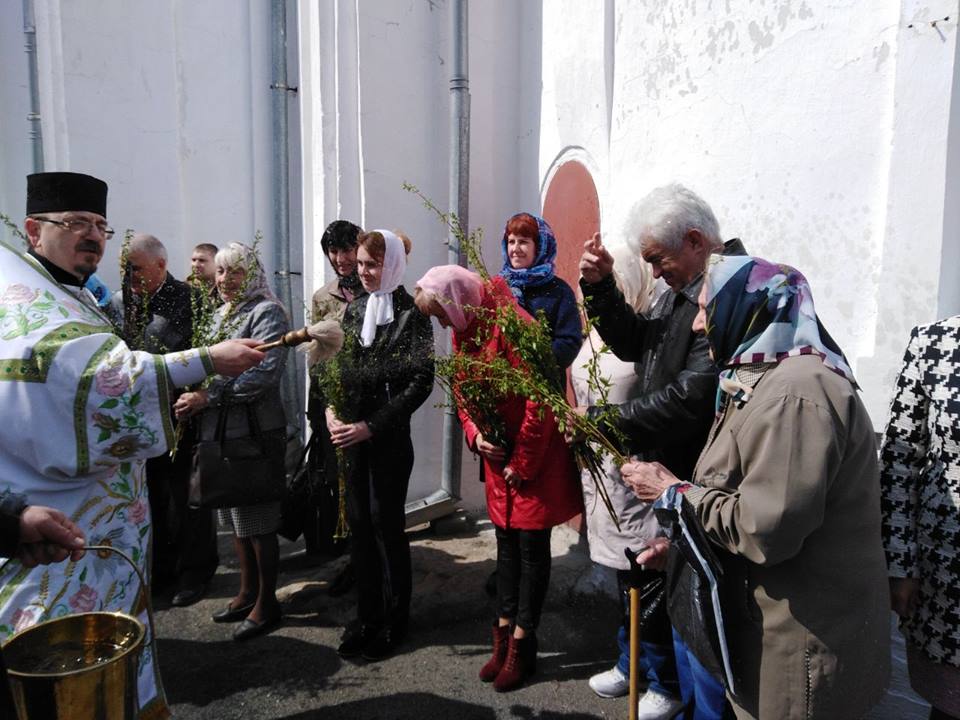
61, 191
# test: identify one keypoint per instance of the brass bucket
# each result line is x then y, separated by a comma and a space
79, 667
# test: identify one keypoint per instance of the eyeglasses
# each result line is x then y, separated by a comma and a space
79, 226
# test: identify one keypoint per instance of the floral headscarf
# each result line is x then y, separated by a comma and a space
255, 285
762, 312
542, 269
457, 290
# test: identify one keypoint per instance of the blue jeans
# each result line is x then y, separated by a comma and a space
656, 662
702, 693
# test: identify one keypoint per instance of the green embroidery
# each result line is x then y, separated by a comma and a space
80, 404
163, 392
36, 367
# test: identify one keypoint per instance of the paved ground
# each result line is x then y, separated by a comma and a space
295, 674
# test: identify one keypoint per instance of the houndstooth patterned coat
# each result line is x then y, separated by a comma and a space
920, 475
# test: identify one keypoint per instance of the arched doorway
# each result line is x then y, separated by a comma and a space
572, 207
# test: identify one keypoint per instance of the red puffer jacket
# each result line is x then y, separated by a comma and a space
549, 492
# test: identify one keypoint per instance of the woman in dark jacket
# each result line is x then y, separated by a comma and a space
251, 310
531, 485
529, 254
391, 372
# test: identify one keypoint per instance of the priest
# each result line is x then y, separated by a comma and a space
83, 413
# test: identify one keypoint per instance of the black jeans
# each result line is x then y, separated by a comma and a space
523, 574
379, 548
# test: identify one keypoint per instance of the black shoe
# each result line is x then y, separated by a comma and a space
342, 583
250, 628
382, 645
188, 596
229, 614
355, 639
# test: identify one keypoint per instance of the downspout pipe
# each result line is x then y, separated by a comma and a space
30, 45
281, 194
444, 501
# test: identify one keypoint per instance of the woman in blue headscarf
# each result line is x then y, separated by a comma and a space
529, 254
787, 494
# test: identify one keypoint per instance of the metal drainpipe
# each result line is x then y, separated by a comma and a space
443, 501
30, 44
459, 206
281, 205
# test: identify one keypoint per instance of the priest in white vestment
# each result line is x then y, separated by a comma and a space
82, 412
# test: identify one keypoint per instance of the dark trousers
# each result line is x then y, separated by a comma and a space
523, 574
184, 539
379, 549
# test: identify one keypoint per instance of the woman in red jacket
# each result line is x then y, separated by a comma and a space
531, 480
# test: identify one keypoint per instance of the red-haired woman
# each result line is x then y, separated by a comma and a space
529, 255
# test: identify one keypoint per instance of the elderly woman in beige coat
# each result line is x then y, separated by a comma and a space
787, 494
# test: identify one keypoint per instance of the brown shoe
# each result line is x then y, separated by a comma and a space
521, 663
501, 637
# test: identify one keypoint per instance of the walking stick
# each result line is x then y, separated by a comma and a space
634, 580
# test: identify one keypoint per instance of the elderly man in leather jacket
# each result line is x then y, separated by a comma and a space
154, 312
667, 421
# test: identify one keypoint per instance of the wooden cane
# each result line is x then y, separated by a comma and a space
635, 580
634, 650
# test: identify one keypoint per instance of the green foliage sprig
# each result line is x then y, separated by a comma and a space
14, 229
337, 378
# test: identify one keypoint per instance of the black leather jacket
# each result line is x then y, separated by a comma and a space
669, 419
167, 325
394, 376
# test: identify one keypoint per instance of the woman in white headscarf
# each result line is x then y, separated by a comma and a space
391, 370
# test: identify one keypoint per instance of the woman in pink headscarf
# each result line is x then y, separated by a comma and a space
531, 479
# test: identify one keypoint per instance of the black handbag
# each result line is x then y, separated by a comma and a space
242, 471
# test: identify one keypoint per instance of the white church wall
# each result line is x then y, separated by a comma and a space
815, 133
167, 102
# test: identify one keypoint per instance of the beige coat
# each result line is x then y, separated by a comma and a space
789, 481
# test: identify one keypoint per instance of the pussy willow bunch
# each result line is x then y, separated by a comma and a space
337, 378
205, 330
478, 384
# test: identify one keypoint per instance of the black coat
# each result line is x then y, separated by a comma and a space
668, 420
394, 376
163, 325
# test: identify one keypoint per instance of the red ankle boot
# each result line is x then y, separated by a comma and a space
501, 634
521, 663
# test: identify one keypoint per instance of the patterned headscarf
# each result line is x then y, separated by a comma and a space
255, 286
379, 309
542, 269
457, 290
762, 312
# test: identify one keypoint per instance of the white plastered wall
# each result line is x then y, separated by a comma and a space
817, 131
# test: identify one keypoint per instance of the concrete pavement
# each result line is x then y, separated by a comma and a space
295, 673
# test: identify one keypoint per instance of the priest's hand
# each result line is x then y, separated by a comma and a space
648, 480
595, 263
190, 403
46, 536
232, 357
